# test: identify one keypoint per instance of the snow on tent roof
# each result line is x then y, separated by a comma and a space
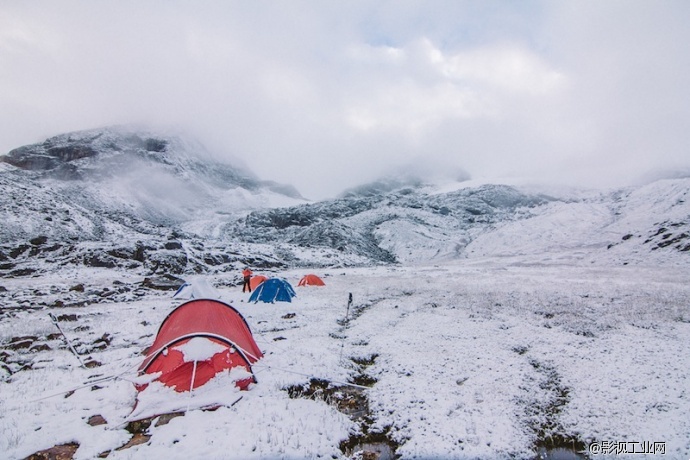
196, 288
196, 341
273, 290
311, 280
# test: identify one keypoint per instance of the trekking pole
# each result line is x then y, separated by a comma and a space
347, 313
69, 344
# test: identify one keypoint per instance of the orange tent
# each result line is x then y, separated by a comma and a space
311, 280
254, 281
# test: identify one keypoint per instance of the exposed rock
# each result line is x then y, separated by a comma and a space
99, 259
67, 317
163, 283
92, 363
173, 245
71, 152
102, 343
21, 272
96, 420
60, 452
39, 240
40, 347
20, 343
155, 145
168, 262
19, 250
138, 438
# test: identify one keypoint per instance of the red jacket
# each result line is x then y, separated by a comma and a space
246, 272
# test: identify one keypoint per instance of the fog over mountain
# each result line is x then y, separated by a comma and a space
327, 97
158, 202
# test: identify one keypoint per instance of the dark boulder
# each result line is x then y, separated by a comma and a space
39, 240
173, 245
99, 260
163, 283
155, 145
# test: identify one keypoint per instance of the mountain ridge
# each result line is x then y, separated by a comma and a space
153, 203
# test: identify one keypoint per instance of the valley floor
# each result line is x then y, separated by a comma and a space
482, 359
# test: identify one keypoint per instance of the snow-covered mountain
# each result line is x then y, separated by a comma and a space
121, 196
131, 198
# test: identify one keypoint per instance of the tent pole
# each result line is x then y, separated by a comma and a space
191, 385
69, 344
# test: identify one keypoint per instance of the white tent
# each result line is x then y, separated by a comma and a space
196, 288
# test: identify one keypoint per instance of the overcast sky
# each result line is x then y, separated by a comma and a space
326, 95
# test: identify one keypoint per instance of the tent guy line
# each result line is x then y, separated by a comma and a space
85, 385
257, 367
121, 376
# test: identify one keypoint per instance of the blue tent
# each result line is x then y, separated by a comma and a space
273, 289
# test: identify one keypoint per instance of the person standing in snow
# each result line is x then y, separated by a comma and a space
247, 274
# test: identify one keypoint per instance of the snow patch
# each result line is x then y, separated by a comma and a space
199, 349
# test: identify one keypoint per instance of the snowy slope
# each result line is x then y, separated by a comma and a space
420, 224
649, 224
482, 360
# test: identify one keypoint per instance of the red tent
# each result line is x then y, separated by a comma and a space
254, 281
197, 340
311, 280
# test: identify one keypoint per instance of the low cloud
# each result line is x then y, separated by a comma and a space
328, 97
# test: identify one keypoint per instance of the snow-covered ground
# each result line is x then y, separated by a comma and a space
481, 358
